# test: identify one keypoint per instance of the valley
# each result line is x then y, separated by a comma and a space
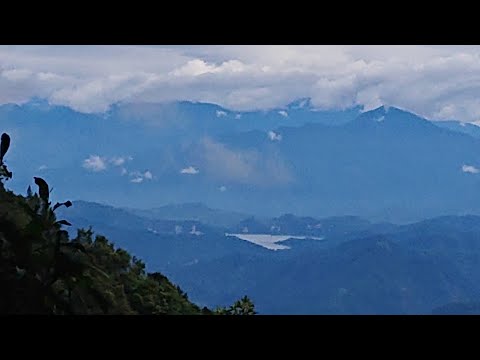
339, 265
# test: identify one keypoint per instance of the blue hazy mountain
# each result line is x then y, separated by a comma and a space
133, 229
360, 267
464, 128
57, 139
383, 165
193, 211
164, 244
408, 270
387, 164
210, 119
363, 276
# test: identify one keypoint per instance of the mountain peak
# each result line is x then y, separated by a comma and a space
385, 109
300, 104
392, 115
38, 102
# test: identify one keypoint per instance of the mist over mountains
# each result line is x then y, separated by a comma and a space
384, 165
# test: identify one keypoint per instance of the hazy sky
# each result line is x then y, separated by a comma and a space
438, 82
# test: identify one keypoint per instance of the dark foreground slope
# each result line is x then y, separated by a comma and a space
44, 271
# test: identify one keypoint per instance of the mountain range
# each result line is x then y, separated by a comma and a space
338, 265
383, 165
369, 211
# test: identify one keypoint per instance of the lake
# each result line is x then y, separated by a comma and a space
269, 241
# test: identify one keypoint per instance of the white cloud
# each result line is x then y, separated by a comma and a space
138, 177
148, 175
470, 169
238, 116
42, 167
222, 188
198, 67
137, 180
194, 68
95, 163
283, 113
434, 81
123, 172
221, 113
274, 136
100, 163
189, 170
117, 161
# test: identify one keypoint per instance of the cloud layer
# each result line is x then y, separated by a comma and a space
438, 82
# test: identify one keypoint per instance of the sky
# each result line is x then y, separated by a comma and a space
437, 82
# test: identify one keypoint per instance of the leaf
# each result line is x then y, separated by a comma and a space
42, 188
5, 144
63, 222
66, 204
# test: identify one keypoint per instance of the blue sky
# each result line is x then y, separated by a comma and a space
437, 82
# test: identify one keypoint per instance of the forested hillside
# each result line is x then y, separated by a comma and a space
44, 271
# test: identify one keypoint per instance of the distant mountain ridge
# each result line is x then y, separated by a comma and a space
384, 165
360, 267
192, 211
461, 127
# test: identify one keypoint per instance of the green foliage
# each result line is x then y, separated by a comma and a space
244, 306
43, 271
